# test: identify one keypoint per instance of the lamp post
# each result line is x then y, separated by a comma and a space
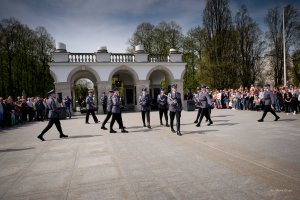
284, 61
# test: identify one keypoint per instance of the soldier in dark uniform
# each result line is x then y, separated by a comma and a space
268, 101
204, 104
90, 108
162, 102
145, 103
103, 100
108, 108
175, 108
53, 117
197, 103
116, 112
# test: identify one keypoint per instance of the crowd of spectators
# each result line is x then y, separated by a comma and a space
287, 99
23, 109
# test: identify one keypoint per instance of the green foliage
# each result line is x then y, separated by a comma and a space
24, 54
296, 68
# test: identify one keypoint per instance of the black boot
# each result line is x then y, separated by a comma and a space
63, 135
178, 133
124, 131
167, 125
103, 127
173, 131
161, 123
277, 118
112, 131
260, 120
210, 123
195, 121
198, 125
40, 137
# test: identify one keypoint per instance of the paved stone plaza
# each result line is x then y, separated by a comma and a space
235, 158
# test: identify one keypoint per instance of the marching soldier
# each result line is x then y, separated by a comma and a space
175, 108
108, 108
53, 117
268, 101
116, 112
197, 103
204, 104
103, 100
145, 103
162, 102
90, 108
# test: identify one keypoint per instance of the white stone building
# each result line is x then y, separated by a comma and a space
134, 71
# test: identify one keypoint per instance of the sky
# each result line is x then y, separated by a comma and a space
86, 25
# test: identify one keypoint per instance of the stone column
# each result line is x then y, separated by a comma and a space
64, 88
139, 86
103, 86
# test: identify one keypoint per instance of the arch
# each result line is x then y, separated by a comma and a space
53, 76
182, 74
161, 68
83, 72
124, 68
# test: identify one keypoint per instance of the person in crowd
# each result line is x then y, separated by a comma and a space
103, 101
175, 108
145, 103
68, 105
2, 112
162, 102
116, 112
30, 109
90, 107
39, 109
109, 104
53, 117
268, 100
287, 101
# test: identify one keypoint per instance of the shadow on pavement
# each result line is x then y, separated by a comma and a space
220, 116
197, 132
11, 150
225, 124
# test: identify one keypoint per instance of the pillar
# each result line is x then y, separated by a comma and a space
103, 86
64, 88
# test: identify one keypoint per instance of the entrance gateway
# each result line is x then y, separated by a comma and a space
129, 72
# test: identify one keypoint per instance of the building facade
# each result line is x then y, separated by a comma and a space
132, 72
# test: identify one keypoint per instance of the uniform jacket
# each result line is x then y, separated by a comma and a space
116, 104
103, 100
269, 97
109, 104
162, 101
90, 104
204, 100
174, 101
145, 102
53, 111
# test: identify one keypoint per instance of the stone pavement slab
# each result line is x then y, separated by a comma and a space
235, 158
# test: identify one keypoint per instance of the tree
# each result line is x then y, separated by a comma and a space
218, 66
24, 54
157, 39
251, 47
275, 37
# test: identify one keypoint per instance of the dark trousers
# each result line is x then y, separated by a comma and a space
163, 111
39, 115
198, 114
50, 124
172, 116
107, 118
205, 112
104, 108
88, 115
116, 117
267, 109
144, 115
